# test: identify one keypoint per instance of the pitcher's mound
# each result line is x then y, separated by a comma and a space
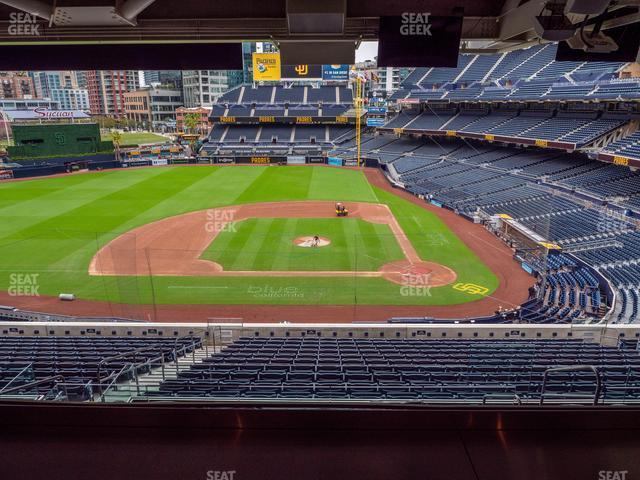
309, 242
424, 274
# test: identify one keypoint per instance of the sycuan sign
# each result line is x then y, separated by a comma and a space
46, 113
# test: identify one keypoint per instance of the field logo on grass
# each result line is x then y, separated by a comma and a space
471, 288
24, 285
267, 291
609, 223
23, 24
415, 285
221, 475
436, 239
220, 221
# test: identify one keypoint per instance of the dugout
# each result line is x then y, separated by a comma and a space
522, 236
534, 248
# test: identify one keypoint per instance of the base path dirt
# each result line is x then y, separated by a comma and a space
174, 246
418, 273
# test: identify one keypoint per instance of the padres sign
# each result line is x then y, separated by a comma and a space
298, 72
266, 66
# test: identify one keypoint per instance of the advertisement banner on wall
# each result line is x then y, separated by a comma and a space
377, 110
136, 163
375, 122
225, 160
301, 72
159, 162
335, 161
6, 174
266, 66
408, 101
260, 159
350, 162
335, 72
316, 159
296, 160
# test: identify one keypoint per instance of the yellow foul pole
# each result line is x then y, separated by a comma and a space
358, 117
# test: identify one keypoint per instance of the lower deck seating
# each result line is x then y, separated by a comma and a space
407, 369
537, 188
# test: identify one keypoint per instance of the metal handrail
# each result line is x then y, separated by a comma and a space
14, 378
120, 356
575, 368
194, 342
59, 379
125, 368
133, 352
135, 366
517, 399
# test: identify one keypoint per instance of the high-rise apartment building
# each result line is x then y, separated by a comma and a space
107, 88
45, 82
153, 107
16, 85
201, 88
166, 78
389, 78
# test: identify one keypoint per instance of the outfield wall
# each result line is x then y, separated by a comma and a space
60, 165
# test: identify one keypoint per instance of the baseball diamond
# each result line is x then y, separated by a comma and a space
206, 235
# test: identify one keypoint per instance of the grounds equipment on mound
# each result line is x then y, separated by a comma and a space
341, 210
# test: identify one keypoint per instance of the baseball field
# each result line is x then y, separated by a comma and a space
231, 236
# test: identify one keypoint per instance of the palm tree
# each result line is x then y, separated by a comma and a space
191, 121
116, 138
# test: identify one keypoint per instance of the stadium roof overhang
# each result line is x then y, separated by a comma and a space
195, 20
488, 25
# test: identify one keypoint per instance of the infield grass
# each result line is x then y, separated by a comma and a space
53, 227
268, 244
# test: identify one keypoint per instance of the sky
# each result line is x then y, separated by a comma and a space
367, 51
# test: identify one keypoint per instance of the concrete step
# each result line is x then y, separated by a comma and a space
123, 392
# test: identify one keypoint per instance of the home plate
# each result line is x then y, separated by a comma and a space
310, 242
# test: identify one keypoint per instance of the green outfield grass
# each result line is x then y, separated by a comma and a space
268, 244
136, 138
53, 227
